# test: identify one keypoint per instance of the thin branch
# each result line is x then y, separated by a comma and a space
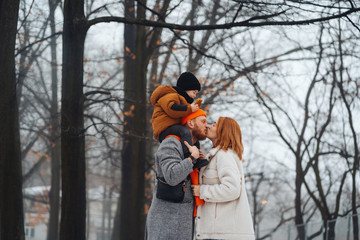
237, 12
97, 92
347, 17
20, 50
246, 23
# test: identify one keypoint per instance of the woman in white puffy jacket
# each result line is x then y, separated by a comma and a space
226, 212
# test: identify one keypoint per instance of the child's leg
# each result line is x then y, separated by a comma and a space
200, 162
197, 144
185, 135
180, 131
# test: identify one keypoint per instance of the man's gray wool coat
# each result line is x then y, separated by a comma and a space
167, 220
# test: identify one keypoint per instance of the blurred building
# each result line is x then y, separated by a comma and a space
101, 209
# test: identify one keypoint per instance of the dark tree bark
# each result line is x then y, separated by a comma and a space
298, 204
73, 205
11, 204
132, 220
126, 195
54, 195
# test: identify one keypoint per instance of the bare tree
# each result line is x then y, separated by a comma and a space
54, 194
73, 204
11, 205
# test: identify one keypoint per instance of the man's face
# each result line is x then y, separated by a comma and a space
200, 127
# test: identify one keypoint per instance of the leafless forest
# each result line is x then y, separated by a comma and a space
76, 145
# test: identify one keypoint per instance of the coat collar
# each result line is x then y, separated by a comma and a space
212, 152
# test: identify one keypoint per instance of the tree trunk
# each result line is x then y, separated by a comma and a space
54, 195
298, 211
11, 204
129, 222
126, 155
355, 217
132, 218
73, 204
130, 215
330, 230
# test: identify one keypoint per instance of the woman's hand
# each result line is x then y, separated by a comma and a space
196, 190
201, 155
194, 151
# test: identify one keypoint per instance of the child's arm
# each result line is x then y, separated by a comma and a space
178, 107
173, 108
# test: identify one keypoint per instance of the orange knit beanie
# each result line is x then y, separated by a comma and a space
193, 115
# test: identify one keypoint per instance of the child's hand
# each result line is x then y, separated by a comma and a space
198, 102
194, 107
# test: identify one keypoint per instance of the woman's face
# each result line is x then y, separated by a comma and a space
212, 131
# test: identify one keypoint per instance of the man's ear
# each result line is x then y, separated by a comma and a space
190, 123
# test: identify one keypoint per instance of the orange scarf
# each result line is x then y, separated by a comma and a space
195, 180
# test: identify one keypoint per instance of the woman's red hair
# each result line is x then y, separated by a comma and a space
228, 135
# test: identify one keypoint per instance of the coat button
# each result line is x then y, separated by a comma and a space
198, 217
198, 235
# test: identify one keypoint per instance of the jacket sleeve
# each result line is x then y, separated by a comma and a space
167, 102
174, 168
229, 187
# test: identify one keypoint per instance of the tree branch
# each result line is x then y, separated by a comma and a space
247, 23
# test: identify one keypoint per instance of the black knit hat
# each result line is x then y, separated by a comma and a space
188, 81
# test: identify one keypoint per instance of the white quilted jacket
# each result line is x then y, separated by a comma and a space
226, 212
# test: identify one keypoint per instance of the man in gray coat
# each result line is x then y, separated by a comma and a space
169, 220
